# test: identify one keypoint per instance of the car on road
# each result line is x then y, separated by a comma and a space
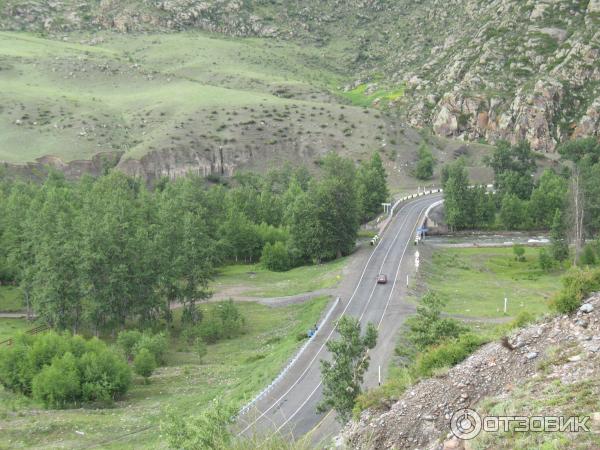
381, 278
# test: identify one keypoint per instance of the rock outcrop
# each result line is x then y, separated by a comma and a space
564, 349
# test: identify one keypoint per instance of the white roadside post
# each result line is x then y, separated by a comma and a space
505, 304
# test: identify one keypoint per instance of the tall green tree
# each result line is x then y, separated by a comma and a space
457, 202
548, 196
514, 167
118, 280
324, 223
185, 251
583, 155
343, 376
425, 163
57, 290
513, 213
372, 188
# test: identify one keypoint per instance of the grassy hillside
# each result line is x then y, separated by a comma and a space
172, 103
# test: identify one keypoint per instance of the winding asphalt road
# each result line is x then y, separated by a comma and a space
290, 407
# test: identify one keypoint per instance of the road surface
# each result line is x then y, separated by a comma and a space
290, 407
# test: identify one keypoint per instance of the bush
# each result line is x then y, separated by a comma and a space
519, 252
276, 257
522, 319
127, 341
588, 257
144, 363
545, 261
210, 330
224, 322
58, 385
446, 355
104, 376
156, 344
62, 370
230, 317
190, 334
425, 163
428, 327
577, 284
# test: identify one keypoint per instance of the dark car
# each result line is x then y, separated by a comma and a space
381, 278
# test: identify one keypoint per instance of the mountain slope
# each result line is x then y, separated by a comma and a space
483, 71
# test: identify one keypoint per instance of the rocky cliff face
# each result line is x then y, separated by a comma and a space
501, 69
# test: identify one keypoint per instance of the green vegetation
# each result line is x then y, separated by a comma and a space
11, 299
343, 377
361, 97
97, 253
431, 345
577, 285
137, 94
552, 398
465, 207
9, 328
518, 203
63, 371
475, 281
233, 369
425, 162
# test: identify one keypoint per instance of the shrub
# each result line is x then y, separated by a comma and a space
588, 257
577, 284
210, 330
62, 370
58, 385
276, 257
519, 252
104, 376
127, 341
446, 355
190, 334
144, 363
545, 261
428, 327
230, 317
156, 344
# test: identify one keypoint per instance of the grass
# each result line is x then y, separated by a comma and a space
543, 398
11, 299
233, 370
359, 97
255, 281
140, 93
12, 327
476, 280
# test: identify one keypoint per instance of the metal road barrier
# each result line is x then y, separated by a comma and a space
286, 369
409, 197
